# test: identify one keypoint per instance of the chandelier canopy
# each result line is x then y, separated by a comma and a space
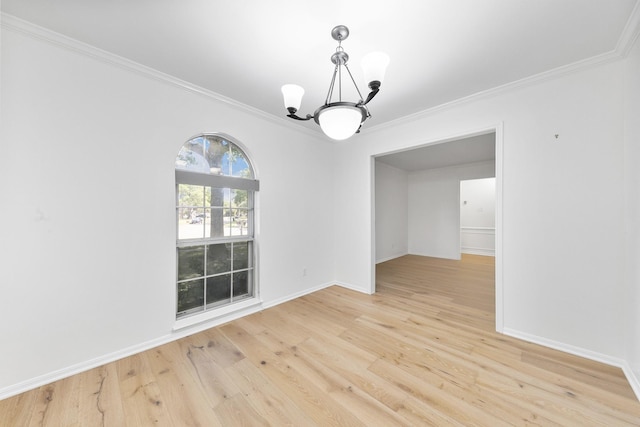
340, 119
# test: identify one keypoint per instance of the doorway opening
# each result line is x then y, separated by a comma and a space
416, 205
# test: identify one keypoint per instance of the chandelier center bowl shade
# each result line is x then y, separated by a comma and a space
341, 119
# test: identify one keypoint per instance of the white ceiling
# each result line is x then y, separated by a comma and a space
441, 50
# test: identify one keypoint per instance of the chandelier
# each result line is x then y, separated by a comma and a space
340, 119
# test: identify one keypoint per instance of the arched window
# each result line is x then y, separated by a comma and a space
215, 191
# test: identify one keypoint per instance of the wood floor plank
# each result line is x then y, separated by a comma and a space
319, 368
17, 410
99, 398
332, 354
141, 395
420, 351
315, 402
55, 403
271, 402
182, 388
236, 411
203, 368
220, 348
331, 383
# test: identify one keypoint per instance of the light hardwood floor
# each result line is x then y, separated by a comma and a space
421, 351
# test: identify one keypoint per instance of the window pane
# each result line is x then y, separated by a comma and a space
207, 223
215, 223
191, 157
190, 295
240, 284
190, 262
238, 165
191, 195
215, 148
228, 219
218, 197
191, 223
239, 223
241, 255
219, 289
183, 220
239, 198
218, 258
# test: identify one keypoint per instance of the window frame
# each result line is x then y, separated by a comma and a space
224, 182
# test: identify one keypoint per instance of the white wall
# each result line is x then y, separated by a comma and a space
478, 216
83, 278
434, 208
391, 200
478, 202
632, 208
88, 229
562, 233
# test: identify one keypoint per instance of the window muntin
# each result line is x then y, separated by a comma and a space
215, 193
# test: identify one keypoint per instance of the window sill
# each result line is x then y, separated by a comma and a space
222, 314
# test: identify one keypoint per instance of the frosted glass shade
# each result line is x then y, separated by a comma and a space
374, 65
292, 96
340, 122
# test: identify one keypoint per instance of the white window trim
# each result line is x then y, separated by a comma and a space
250, 304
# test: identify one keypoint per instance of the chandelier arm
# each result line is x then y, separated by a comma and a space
333, 82
373, 93
354, 82
292, 114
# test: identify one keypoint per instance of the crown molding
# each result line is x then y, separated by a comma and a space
37, 32
498, 90
630, 33
629, 36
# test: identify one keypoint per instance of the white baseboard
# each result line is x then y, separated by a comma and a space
582, 352
353, 287
389, 258
440, 256
297, 295
478, 251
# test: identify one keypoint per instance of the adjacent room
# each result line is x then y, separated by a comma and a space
447, 235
